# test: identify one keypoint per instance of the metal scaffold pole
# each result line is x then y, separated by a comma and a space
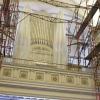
8, 22
94, 54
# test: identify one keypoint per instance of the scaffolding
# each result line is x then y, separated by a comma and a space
94, 62
87, 53
84, 41
8, 22
93, 56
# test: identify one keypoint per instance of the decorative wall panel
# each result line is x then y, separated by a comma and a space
39, 76
84, 81
43, 80
23, 74
7, 72
54, 78
48, 76
70, 79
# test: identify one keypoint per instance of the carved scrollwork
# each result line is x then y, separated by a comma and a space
70, 79
39, 76
54, 77
7, 72
84, 81
23, 74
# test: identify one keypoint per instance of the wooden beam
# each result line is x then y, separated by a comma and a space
88, 18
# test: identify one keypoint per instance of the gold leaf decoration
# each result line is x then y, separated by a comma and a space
7, 72
55, 77
39, 76
24, 74
84, 81
70, 79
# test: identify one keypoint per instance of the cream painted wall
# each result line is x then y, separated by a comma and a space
48, 82
40, 40
23, 39
60, 42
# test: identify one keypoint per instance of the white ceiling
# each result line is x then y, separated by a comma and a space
37, 6
51, 9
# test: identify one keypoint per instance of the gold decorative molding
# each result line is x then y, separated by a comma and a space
42, 81
23, 74
84, 81
47, 76
7, 72
70, 79
39, 76
55, 77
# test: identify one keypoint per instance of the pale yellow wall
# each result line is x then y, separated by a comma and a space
46, 81
34, 32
